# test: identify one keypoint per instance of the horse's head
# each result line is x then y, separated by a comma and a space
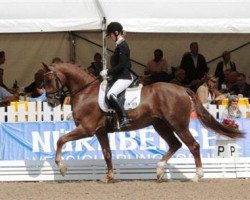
53, 85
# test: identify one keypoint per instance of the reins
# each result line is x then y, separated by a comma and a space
81, 88
60, 92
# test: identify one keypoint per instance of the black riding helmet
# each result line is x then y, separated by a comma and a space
114, 26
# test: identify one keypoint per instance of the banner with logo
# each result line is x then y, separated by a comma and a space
37, 141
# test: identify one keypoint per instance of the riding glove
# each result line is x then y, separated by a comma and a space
104, 72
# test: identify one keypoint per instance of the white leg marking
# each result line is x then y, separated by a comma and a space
199, 174
160, 170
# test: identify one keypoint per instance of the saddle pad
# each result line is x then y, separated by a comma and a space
132, 97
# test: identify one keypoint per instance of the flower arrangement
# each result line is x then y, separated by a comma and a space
230, 123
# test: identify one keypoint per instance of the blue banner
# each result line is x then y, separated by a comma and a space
37, 141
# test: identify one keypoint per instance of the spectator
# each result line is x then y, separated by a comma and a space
231, 79
233, 109
96, 67
56, 60
180, 76
39, 93
249, 76
241, 87
6, 97
225, 64
225, 82
194, 65
2, 58
207, 92
37, 83
157, 68
2, 61
1, 80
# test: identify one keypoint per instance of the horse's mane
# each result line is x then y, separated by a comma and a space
73, 68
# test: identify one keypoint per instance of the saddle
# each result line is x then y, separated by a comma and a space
130, 98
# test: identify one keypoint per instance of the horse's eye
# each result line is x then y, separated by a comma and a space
49, 81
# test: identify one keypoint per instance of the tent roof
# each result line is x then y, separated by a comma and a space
179, 16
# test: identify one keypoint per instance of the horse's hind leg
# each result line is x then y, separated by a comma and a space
194, 147
75, 134
174, 144
104, 142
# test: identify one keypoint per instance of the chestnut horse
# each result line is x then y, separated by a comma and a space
165, 106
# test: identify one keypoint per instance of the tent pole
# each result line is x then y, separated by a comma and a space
104, 44
72, 48
104, 26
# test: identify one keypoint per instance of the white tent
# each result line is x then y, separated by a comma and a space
32, 31
165, 16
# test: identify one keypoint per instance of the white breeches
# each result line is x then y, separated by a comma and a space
119, 86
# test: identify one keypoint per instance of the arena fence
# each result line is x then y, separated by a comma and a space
177, 168
40, 111
34, 112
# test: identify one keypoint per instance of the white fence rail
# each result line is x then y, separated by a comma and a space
34, 111
177, 168
40, 111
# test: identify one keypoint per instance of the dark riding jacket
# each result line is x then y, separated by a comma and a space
120, 62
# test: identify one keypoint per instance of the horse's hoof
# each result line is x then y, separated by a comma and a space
195, 179
63, 170
160, 175
199, 174
159, 180
107, 180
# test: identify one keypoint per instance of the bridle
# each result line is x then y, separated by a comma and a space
60, 92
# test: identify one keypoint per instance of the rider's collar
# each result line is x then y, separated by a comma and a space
119, 41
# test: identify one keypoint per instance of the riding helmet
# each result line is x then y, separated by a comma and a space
114, 26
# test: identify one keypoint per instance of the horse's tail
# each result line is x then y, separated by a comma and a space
209, 121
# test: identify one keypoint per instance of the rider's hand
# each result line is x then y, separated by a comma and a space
104, 72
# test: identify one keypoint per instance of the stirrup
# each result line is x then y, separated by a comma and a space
125, 122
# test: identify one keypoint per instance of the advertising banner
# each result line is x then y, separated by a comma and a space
37, 141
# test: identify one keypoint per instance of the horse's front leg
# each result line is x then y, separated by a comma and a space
104, 142
77, 133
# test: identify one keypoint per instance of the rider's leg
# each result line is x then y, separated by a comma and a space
116, 104
119, 86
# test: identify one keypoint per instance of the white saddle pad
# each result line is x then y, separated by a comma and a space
132, 97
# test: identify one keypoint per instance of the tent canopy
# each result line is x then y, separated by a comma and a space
162, 16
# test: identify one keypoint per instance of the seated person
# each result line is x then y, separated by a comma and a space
38, 82
180, 76
40, 94
56, 60
225, 82
157, 68
231, 79
222, 66
1, 80
241, 87
207, 92
233, 109
96, 67
6, 97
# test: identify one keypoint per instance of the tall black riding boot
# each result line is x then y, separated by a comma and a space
116, 104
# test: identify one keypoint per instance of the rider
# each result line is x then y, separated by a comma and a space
119, 71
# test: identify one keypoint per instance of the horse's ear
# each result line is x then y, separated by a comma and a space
45, 67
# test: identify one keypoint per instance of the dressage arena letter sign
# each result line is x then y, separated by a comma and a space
226, 148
